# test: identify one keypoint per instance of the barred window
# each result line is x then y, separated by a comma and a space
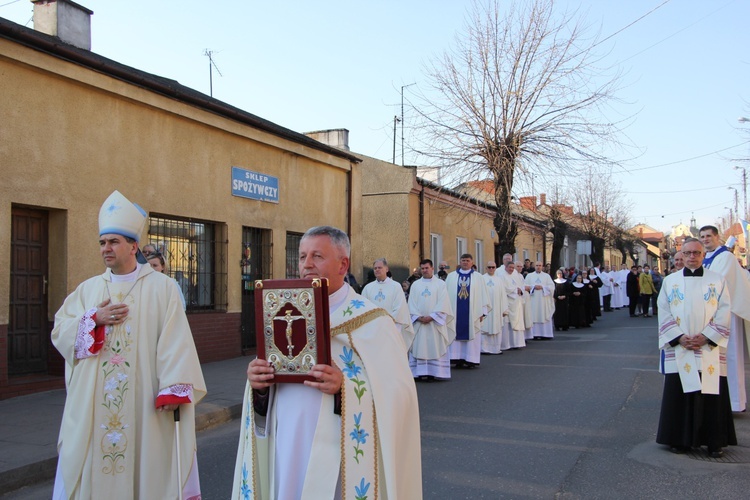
195, 254
292, 254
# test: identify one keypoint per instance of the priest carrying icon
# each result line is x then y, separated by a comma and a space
352, 431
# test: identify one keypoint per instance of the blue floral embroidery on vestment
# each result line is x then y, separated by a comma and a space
352, 371
426, 293
357, 303
359, 435
380, 297
490, 283
245, 489
361, 490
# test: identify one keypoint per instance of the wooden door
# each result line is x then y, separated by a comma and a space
28, 330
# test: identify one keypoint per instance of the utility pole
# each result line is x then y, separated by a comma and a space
402, 121
395, 121
744, 190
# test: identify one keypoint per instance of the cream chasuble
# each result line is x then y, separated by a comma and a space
429, 297
542, 301
390, 296
493, 323
689, 306
373, 447
113, 443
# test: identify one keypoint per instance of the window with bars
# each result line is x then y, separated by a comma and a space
292, 254
195, 254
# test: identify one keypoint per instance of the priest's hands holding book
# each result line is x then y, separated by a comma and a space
328, 379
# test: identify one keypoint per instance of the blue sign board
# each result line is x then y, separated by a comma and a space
249, 184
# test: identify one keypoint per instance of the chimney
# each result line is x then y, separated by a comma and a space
66, 20
337, 137
543, 199
528, 202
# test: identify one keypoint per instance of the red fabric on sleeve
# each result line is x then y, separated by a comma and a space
171, 399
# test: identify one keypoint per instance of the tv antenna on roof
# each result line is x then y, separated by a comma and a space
211, 65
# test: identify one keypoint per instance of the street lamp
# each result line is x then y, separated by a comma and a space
744, 188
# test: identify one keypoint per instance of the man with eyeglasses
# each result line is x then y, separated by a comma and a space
694, 316
492, 326
720, 260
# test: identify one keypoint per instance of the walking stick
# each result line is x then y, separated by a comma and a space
177, 444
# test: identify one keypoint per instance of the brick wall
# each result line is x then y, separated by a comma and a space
216, 335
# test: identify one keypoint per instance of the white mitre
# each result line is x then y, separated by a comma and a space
119, 215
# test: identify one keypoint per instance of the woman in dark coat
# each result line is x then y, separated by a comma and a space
562, 301
578, 298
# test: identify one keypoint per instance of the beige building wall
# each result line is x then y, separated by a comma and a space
77, 135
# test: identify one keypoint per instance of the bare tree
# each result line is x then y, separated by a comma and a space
520, 94
603, 212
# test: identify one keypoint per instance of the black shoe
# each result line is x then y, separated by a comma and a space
678, 450
633, 316
715, 453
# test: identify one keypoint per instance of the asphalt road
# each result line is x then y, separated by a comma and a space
574, 417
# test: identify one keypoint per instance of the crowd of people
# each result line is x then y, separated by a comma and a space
458, 316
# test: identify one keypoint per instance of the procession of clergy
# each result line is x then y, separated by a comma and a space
453, 322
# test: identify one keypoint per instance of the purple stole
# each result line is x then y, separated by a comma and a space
463, 306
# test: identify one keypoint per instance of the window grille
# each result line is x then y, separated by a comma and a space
292, 254
195, 255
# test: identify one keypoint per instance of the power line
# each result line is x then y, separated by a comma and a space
626, 27
677, 32
683, 160
683, 191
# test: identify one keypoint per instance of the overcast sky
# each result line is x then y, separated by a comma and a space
312, 65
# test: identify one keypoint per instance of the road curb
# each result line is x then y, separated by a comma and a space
208, 415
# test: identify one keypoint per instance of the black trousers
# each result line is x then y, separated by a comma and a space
645, 302
607, 301
633, 302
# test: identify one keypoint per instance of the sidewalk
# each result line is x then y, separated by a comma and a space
29, 425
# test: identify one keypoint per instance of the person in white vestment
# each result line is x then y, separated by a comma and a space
493, 325
515, 328
431, 314
619, 297
130, 362
541, 288
694, 314
388, 294
720, 260
470, 302
321, 439
527, 316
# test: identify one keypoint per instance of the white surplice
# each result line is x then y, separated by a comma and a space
389, 295
429, 350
